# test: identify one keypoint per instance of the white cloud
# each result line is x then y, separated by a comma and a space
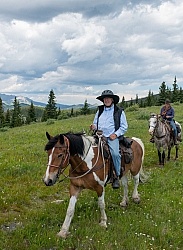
79, 50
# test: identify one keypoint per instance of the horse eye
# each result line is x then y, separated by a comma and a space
60, 155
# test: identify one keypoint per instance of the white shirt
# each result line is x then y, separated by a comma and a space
106, 122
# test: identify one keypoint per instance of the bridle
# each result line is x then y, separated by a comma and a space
66, 158
155, 128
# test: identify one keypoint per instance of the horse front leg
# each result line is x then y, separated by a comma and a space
101, 203
135, 195
176, 152
163, 158
169, 151
69, 215
125, 199
160, 157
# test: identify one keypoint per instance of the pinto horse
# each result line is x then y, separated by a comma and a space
88, 169
163, 137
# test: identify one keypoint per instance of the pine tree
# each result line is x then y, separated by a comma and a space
162, 93
123, 103
59, 112
44, 116
175, 91
149, 99
131, 102
72, 112
7, 118
16, 119
181, 95
137, 99
51, 109
85, 110
2, 118
31, 113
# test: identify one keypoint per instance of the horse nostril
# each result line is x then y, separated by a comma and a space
49, 183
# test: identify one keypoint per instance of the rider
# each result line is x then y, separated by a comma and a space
167, 113
112, 121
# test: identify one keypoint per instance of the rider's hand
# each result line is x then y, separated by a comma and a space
113, 137
92, 127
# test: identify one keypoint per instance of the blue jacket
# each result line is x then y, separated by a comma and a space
169, 112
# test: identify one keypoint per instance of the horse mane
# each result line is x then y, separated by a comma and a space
51, 143
75, 139
76, 142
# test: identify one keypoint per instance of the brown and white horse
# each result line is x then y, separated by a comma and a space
88, 169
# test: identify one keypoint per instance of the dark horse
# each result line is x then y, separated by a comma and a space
163, 137
88, 169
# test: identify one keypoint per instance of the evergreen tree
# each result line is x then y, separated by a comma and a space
85, 110
149, 99
181, 95
7, 118
59, 112
162, 93
72, 112
141, 105
123, 104
44, 116
175, 91
168, 94
2, 118
131, 102
16, 119
31, 113
51, 109
137, 99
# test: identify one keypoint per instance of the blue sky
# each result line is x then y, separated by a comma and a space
78, 48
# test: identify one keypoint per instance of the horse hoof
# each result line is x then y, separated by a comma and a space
63, 234
136, 200
123, 204
103, 224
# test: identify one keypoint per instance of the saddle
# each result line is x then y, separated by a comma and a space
125, 151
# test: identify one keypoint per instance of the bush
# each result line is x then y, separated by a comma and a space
143, 115
134, 107
50, 121
4, 129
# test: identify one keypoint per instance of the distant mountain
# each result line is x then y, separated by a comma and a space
25, 101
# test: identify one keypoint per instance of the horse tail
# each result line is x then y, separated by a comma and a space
142, 176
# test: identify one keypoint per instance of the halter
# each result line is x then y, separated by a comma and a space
156, 126
60, 170
94, 168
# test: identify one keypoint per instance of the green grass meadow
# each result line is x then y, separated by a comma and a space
30, 218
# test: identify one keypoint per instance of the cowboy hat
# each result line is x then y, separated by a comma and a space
108, 93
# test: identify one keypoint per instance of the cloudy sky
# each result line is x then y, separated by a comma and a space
78, 48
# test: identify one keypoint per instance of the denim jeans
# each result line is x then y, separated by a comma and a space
172, 124
116, 157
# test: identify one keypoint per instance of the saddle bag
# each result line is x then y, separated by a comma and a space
126, 150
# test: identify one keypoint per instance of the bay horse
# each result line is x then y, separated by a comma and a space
163, 137
88, 169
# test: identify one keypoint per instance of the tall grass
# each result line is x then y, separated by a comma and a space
30, 219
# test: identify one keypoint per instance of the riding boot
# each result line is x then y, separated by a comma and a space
116, 183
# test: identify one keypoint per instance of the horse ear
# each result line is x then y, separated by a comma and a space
48, 135
61, 138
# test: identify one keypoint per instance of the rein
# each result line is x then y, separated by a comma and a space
93, 169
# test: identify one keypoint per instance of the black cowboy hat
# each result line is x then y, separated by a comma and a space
108, 93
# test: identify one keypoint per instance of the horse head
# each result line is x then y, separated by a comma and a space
58, 157
152, 123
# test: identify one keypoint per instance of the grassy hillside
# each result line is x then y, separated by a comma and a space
29, 218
